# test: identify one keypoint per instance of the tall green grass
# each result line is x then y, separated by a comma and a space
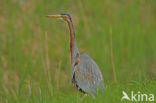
34, 50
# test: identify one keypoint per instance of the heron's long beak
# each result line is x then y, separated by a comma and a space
53, 16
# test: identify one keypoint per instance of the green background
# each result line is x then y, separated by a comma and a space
120, 35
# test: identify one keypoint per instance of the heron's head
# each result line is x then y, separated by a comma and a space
64, 16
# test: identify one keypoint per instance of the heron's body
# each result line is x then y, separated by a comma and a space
86, 75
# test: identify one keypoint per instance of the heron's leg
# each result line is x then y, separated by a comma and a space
85, 95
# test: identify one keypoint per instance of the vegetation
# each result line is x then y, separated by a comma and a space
34, 50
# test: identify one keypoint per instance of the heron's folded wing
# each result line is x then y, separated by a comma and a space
88, 76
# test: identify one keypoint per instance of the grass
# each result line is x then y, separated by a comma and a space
34, 51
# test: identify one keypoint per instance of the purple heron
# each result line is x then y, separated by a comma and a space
86, 74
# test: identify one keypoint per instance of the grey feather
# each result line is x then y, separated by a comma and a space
88, 75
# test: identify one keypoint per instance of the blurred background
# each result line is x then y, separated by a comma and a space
34, 50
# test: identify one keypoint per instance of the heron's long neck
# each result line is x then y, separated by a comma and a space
72, 39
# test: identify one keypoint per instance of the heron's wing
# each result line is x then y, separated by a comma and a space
88, 76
